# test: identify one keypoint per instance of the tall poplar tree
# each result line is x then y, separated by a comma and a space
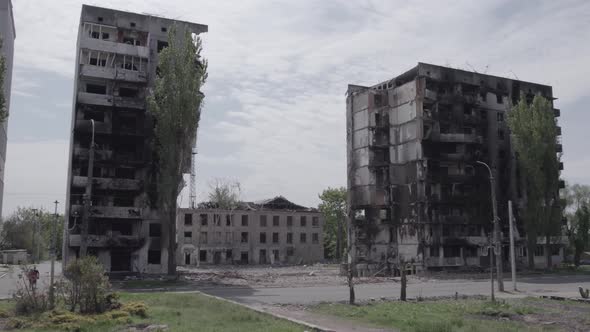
535, 141
3, 110
175, 104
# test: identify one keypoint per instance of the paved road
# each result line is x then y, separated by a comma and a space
9, 277
531, 286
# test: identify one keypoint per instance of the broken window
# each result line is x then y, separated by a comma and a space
155, 230
128, 92
229, 237
244, 220
94, 115
123, 201
445, 128
483, 114
154, 256
275, 221
244, 237
203, 217
263, 221
217, 219
131, 41
452, 251
434, 251
244, 257
275, 255
275, 237
470, 251
499, 99
262, 237
290, 251
122, 228
289, 238
203, 255
188, 235
105, 35
539, 250
315, 238
500, 134
303, 221
125, 173
164, 29
228, 254
303, 237
500, 116
315, 222
96, 88
502, 154
162, 45
446, 230
467, 130
132, 24
203, 238
289, 221
95, 34
228, 219
188, 219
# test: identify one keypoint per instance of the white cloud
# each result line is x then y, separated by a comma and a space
286, 65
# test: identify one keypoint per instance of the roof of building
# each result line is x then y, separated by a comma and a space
276, 203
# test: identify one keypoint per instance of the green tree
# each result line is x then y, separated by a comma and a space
3, 110
176, 107
30, 229
580, 232
225, 194
535, 142
333, 207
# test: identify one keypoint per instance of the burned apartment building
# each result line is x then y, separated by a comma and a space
273, 231
415, 189
116, 63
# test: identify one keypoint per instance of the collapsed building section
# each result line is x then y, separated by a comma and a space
273, 231
415, 189
116, 64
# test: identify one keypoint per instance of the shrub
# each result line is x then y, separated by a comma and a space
135, 308
28, 299
88, 286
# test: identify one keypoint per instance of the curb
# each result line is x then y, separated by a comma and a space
312, 327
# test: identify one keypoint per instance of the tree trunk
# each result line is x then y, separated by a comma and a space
404, 282
339, 242
531, 246
548, 252
172, 238
577, 256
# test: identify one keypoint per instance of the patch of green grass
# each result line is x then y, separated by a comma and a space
437, 316
148, 284
181, 312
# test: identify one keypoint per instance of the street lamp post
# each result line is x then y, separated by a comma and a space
496, 237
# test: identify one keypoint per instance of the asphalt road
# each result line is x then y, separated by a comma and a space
9, 277
556, 285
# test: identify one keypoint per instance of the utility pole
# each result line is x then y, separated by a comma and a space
496, 241
87, 198
512, 256
52, 253
34, 251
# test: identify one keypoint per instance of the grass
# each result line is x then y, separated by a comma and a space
181, 312
148, 284
436, 316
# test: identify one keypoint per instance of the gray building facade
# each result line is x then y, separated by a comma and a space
273, 231
116, 62
8, 35
415, 190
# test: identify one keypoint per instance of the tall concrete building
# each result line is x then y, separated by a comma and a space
116, 61
273, 231
414, 186
8, 35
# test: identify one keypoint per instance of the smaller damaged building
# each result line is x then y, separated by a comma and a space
415, 189
273, 231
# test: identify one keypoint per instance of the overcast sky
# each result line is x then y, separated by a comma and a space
274, 114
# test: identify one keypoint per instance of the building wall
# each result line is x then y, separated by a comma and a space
116, 60
415, 189
223, 231
8, 35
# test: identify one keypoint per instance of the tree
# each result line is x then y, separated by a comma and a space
30, 229
3, 110
175, 103
333, 207
224, 194
580, 230
577, 198
535, 141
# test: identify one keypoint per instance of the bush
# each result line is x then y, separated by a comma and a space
88, 287
28, 299
135, 308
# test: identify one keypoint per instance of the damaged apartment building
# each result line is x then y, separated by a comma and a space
273, 231
116, 63
415, 189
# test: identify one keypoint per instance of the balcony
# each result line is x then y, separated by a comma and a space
558, 128
99, 155
445, 261
556, 112
86, 126
110, 212
102, 241
110, 73
107, 183
460, 138
114, 47
95, 99
559, 148
126, 102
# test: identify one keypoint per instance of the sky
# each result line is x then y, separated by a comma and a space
274, 112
